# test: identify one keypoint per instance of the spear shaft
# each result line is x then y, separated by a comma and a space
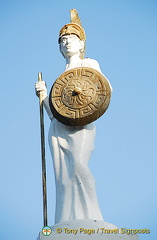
43, 153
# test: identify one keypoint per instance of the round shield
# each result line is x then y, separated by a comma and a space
79, 96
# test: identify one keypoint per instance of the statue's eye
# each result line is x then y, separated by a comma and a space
63, 40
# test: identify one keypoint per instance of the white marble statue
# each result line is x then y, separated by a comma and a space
71, 148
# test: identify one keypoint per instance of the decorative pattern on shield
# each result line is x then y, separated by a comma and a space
79, 96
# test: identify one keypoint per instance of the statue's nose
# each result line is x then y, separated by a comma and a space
68, 41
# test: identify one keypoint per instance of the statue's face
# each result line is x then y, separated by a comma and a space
70, 45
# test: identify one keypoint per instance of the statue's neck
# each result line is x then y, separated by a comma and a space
72, 61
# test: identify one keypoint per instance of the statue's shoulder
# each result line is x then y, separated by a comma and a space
92, 63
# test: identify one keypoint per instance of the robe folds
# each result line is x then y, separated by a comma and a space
71, 148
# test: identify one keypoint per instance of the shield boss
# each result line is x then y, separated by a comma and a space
79, 96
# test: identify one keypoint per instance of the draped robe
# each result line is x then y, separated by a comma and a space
71, 148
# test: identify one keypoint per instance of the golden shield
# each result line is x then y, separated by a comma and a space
79, 96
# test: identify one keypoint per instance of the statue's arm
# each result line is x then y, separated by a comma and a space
41, 87
47, 107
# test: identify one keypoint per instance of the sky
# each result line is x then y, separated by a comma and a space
122, 37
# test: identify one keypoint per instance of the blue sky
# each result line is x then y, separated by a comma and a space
122, 37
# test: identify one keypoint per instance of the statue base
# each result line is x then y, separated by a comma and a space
86, 230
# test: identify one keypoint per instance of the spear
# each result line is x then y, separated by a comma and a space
43, 154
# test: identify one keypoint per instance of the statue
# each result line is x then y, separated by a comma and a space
71, 146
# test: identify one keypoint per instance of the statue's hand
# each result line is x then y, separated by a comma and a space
40, 87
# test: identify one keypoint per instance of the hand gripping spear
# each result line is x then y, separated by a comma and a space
43, 154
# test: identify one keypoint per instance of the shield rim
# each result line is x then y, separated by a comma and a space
86, 119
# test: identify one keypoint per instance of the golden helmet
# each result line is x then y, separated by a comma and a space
74, 27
